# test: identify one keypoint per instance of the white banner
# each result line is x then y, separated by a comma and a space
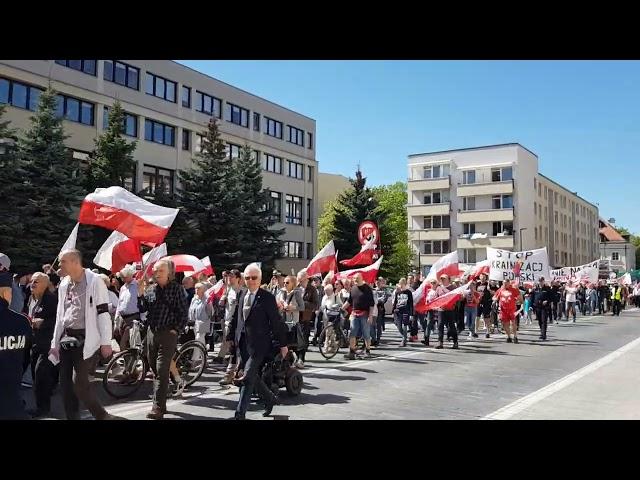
583, 273
535, 264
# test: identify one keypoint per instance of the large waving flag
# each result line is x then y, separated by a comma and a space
479, 269
445, 302
208, 270
421, 292
369, 274
150, 258
186, 263
447, 264
324, 261
71, 240
115, 208
216, 292
117, 251
364, 257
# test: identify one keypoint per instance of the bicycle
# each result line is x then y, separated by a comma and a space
126, 371
333, 336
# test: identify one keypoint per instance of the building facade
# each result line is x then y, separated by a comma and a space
330, 185
167, 106
494, 196
616, 250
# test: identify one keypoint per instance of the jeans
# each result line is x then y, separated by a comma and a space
74, 380
402, 328
554, 310
161, 346
380, 322
360, 328
252, 379
470, 318
424, 322
449, 318
432, 325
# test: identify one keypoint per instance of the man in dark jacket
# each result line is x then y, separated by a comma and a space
311, 305
541, 304
555, 298
42, 306
255, 323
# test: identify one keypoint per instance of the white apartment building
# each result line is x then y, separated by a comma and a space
167, 106
494, 196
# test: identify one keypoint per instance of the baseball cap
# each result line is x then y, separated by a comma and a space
5, 262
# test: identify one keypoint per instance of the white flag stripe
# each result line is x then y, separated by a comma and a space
71, 241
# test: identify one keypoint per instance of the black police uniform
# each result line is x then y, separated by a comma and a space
541, 295
15, 341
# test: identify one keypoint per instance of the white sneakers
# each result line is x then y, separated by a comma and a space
299, 364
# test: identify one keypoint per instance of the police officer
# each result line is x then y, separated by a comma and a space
542, 296
15, 342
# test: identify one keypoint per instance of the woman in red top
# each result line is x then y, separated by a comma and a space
507, 295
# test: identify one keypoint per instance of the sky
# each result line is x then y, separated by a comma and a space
579, 117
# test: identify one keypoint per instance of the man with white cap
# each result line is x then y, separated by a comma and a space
127, 310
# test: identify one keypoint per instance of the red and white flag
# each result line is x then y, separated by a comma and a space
117, 251
214, 294
447, 264
186, 263
479, 269
364, 257
369, 274
71, 240
115, 208
445, 302
150, 258
207, 271
421, 292
324, 261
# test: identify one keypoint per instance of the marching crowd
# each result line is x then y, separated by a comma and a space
74, 315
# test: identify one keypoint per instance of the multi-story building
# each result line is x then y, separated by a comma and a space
330, 185
494, 196
616, 249
167, 106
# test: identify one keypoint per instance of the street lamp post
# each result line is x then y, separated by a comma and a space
523, 228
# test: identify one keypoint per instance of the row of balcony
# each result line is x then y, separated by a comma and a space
462, 190
463, 216
463, 241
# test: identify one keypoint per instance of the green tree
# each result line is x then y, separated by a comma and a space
11, 228
325, 222
258, 241
207, 197
392, 200
52, 187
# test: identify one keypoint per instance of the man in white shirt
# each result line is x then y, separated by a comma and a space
127, 310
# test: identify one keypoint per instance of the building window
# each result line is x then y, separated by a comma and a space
295, 135
186, 139
309, 251
435, 171
207, 104
539, 189
436, 197
468, 255
555, 198
309, 140
272, 164
309, 212
122, 74
295, 170
75, 110
237, 115
436, 221
275, 206
468, 177
502, 227
293, 249
310, 170
546, 234
501, 202
159, 133
160, 87
154, 178
555, 218
130, 181
615, 256
535, 233
233, 151
468, 203
273, 127
85, 66
535, 209
546, 213
186, 96
534, 183
294, 210
256, 121
468, 228
129, 124
19, 94
255, 155
436, 247
501, 174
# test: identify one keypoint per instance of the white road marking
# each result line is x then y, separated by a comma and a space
523, 403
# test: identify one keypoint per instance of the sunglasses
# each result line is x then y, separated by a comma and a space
251, 277
287, 283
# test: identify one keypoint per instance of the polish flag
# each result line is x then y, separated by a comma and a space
214, 294
445, 302
117, 251
479, 269
150, 258
324, 261
447, 264
71, 240
364, 257
369, 274
207, 271
115, 208
186, 263
421, 292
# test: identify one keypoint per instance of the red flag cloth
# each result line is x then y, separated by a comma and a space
364, 257
369, 274
216, 292
117, 251
447, 264
324, 261
186, 263
445, 302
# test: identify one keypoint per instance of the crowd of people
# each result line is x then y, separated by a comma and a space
74, 317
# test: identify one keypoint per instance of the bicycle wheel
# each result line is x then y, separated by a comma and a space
125, 373
328, 344
191, 361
